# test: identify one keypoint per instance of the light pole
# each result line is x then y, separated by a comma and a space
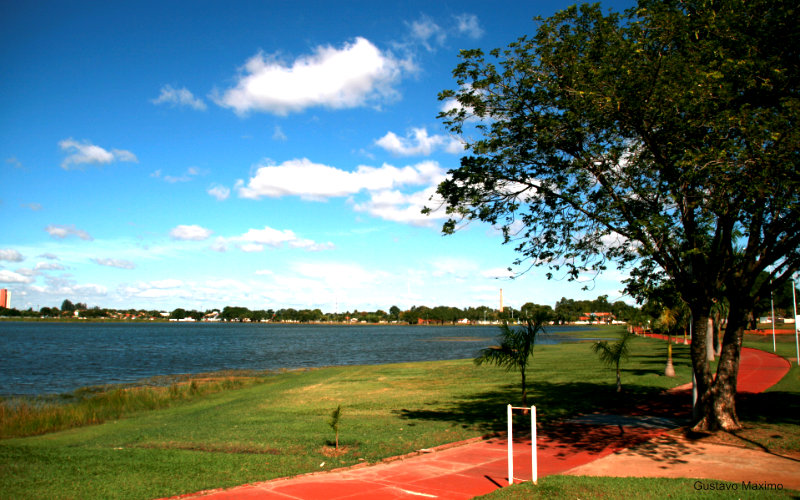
772, 306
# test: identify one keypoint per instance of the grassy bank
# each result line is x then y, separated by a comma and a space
278, 427
30, 416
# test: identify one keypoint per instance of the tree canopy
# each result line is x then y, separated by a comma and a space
663, 139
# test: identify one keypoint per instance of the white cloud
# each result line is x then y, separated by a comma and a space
468, 24
12, 277
11, 255
396, 206
167, 283
278, 135
314, 181
268, 236
355, 75
418, 142
251, 247
338, 274
192, 232
219, 192
187, 176
311, 246
219, 245
91, 289
27, 272
59, 231
427, 33
179, 97
49, 266
255, 240
79, 153
118, 263
14, 161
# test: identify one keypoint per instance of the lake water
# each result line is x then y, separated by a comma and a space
42, 358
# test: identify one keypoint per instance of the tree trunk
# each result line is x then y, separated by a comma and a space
717, 398
619, 380
701, 369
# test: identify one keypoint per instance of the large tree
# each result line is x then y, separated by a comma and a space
663, 139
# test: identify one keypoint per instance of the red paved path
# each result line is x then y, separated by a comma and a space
479, 466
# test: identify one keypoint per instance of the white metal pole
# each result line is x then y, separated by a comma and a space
772, 305
510, 449
796, 326
534, 452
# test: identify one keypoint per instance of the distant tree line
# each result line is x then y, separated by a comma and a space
565, 311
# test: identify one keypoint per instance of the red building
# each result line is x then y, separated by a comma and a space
5, 298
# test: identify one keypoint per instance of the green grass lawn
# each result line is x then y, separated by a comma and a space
634, 488
279, 427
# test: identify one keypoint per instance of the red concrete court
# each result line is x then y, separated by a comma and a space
476, 467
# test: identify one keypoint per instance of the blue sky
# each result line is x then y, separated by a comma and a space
263, 154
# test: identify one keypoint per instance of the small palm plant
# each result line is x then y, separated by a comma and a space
668, 319
515, 349
612, 355
334, 422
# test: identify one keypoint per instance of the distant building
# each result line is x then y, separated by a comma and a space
597, 317
5, 298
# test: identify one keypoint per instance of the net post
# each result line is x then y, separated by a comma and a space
510, 449
534, 451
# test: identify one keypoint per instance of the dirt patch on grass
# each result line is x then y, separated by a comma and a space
331, 451
211, 448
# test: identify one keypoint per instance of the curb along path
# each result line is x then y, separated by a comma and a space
479, 467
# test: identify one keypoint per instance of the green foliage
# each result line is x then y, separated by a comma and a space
515, 349
662, 139
613, 354
336, 416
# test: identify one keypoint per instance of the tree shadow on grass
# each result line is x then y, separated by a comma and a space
778, 407
556, 403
